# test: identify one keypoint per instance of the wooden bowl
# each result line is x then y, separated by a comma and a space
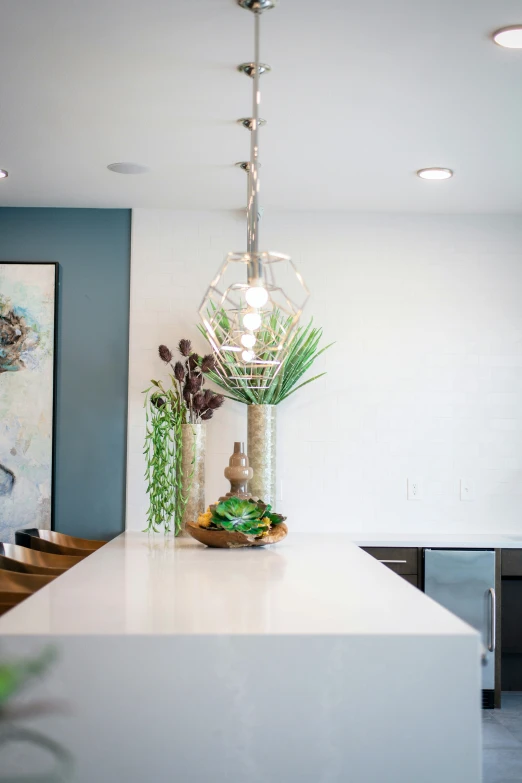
230, 539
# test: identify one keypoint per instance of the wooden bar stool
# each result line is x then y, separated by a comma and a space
30, 561
72, 541
10, 600
13, 582
16, 587
56, 543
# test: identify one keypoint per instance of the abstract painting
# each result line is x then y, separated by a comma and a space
27, 359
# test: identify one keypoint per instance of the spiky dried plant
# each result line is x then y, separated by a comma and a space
189, 376
198, 401
208, 363
179, 372
185, 348
216, 401
165, 354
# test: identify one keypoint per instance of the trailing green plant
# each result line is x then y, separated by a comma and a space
252, 517
242, 383
166, 410
164, 415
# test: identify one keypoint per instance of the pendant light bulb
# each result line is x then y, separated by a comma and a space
256, 296
252, 321
247, 356
248, 340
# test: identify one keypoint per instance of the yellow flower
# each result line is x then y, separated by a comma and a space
205, 519
266, 522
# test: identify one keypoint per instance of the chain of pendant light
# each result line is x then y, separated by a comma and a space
253, 123
254, 320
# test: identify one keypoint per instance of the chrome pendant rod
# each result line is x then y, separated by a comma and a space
253, 174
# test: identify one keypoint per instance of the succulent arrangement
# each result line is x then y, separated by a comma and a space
251, 517
167, 409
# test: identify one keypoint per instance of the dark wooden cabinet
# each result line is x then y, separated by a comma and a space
511, 614
512, 563
403, 560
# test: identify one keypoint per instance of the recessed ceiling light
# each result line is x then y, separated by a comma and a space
3, 174
127, 168
435, 173
509, 37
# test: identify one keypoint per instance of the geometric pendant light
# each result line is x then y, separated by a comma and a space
251, 308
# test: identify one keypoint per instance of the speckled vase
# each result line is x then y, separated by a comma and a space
193, 445
262, 434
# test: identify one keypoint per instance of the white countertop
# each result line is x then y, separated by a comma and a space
443, 540
307, 584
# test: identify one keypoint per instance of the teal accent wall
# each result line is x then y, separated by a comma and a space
92, 247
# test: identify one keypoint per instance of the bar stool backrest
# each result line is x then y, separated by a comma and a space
10, 600
13, 582
8, 564
28, 539
72, 541
35, 562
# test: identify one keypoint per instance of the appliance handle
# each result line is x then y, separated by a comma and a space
392, 561
493, 620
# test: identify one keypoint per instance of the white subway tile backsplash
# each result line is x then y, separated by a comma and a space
425, 378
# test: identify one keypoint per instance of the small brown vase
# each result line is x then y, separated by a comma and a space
239, 473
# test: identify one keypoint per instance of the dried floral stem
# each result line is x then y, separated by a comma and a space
190, 379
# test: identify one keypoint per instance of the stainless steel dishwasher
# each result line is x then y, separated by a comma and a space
464, 582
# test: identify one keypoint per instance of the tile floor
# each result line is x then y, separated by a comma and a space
502, 741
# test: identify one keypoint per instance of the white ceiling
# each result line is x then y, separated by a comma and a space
362, 93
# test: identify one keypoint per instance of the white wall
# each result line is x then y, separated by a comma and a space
425, 379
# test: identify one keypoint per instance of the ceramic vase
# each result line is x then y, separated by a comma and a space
193, 445
239, 473
262, 451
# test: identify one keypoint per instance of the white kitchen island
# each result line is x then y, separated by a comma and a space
306, 662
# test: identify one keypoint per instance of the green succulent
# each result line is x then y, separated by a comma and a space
266, 511
252, 517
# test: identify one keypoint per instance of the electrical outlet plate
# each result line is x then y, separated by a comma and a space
466, 490
414, 489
